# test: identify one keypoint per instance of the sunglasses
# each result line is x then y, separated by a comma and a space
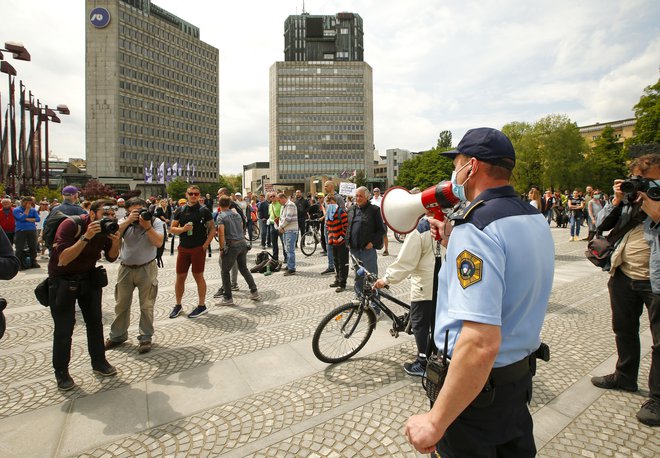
108, 213
193, 193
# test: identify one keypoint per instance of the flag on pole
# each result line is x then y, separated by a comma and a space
161, 173
187, 171
168, 175
146, 172
150, 177
179, 167
175, 168
354, 173
194, 169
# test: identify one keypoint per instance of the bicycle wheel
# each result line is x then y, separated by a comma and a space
343, 332
308, 243
255, 234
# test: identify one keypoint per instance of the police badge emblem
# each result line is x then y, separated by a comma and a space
469, 268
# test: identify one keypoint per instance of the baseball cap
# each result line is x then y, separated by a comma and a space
487, 144
69, 191
121, 199
376, 190
238, 194
182, 201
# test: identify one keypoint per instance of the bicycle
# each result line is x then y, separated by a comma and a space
399, 237
345, 330
311, 238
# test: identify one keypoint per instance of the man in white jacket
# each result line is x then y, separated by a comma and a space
416, 260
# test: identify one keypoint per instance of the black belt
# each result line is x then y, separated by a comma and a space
141, 265
230, 242
512, 372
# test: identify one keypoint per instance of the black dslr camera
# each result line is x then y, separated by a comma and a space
636, 184
146, 214
108, 226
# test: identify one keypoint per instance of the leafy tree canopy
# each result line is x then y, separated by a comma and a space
647, 112
95, 189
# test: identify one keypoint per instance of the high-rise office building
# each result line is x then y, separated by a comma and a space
151, 94
321, 101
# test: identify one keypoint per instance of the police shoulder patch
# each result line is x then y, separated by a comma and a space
469, 268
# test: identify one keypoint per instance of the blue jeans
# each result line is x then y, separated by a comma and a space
264, 228
331, 258
369, 260
548, 216
576, 221
290, 238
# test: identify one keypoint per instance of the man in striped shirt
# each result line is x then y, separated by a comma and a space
336, 222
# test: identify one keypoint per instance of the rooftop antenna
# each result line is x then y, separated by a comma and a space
303, 8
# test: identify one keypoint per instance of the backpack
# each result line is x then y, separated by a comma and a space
263, 259
53, 222
161, 249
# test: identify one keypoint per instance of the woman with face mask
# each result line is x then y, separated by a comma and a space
594, 207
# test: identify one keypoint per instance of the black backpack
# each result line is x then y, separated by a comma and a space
53, 222
161, 249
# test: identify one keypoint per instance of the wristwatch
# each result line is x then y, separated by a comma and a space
84, 239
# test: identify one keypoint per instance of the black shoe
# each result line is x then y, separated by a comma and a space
234, 287
105, 370
36, 265
328, 271
289, 272
334, 284
219, 293
176, 311
341, 289
416, 369
610, 382
649, 414
64, 381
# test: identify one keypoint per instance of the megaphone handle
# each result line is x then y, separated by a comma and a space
440, 216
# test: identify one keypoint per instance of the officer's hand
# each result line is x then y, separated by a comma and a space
380, 283
93, 229
618, 195
422, 434
369, 246
651, 207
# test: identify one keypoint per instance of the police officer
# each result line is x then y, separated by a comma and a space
492, 296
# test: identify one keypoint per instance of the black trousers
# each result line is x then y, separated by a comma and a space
627, 298
503, 429
27, 239
63, 294
421, 315
340, 259
322, 229
275, 237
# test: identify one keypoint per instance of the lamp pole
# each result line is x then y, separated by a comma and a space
19, 53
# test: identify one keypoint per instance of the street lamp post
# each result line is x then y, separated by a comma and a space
45, 114
18, 53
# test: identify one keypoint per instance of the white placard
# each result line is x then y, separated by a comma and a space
347, 189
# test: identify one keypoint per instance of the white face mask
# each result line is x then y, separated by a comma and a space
459, 189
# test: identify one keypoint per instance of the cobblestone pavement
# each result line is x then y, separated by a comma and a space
290, 404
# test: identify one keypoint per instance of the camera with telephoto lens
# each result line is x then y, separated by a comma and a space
145, 215
636, 184
108, 226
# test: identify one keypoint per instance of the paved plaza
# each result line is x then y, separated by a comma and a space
242, 380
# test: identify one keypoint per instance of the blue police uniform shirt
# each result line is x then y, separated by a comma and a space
498, 271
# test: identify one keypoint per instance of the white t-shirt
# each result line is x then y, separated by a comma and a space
43, 214
376, 201
533, 204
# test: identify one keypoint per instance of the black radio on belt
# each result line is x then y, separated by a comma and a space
436, 372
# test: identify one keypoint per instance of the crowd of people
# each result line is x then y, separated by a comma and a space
490, 301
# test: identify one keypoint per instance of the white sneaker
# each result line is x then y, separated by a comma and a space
226, 301
255, 296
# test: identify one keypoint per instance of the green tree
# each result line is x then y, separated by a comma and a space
429, 167
647, 112
444, 140
529, 162
45, 192
360, 178
607, 161
176, 189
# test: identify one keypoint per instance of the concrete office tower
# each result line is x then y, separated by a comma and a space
321, 102
151, 94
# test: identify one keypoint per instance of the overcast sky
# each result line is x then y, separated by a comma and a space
437, 65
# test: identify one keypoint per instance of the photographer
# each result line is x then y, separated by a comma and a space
142, 234
634, 281
73, 276
9, 267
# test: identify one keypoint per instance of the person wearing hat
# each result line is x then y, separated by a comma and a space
492, 297
121, 209
69, 205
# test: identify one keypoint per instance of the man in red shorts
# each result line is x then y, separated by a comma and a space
193, 223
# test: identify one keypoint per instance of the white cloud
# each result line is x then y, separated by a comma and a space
437, 64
